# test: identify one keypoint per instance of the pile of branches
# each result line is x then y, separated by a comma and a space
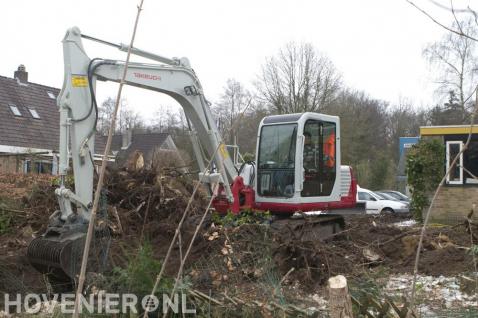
29, 199
147, 197
145, 206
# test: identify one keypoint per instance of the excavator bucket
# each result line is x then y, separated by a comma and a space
58, 252
57, 256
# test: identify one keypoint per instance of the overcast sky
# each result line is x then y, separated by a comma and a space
375, 44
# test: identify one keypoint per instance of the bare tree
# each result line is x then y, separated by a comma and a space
167, 119
454, 56
127, 117
298, 79
233, 101
403, 120
105, 111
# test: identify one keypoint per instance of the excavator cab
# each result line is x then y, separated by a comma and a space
298, 162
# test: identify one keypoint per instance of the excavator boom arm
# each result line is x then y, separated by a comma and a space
174, 78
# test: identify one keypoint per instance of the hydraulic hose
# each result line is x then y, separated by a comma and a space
91, 70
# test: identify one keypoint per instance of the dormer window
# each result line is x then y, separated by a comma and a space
15, 110
51, 95
34, 113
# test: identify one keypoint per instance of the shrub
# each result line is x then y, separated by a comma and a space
424, 171
140, 274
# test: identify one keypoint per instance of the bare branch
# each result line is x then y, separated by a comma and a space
441, 24
454, 16
447, 8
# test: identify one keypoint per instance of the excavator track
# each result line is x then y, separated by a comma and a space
315, 227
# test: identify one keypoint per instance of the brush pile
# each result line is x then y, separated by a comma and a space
270, 263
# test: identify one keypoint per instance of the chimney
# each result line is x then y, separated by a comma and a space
21, 74
127, 137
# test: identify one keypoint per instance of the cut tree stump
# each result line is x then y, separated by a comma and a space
340, 303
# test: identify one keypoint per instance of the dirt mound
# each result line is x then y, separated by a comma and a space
244, 254
444, 249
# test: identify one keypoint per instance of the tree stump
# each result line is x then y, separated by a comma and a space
135, 161
340, 304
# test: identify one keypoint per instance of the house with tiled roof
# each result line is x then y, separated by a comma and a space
29, 129
124, 146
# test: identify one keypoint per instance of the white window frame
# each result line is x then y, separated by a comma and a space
15, 110
449, 161
51, 95
34, 113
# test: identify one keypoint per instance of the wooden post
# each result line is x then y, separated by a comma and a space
340, 304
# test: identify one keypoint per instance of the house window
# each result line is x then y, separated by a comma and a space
34, 113
470, 163
38, 166
453, 148
15, 110
27, 166
51, 95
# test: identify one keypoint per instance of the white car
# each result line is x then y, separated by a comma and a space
374, 204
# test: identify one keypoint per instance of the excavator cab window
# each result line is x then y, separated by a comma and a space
276, 164
319, 158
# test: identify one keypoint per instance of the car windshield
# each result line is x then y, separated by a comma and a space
397, 195
380, 196
402, 196
388, 196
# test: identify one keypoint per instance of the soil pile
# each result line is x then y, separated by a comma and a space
281, 256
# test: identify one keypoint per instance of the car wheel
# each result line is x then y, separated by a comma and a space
387, 211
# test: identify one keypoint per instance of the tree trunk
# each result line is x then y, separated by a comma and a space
340, 304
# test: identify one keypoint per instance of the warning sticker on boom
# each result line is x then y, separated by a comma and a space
79, 81
223, 150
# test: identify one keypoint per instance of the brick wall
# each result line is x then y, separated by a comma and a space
454, 203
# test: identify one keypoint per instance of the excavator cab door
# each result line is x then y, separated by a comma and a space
319, 158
